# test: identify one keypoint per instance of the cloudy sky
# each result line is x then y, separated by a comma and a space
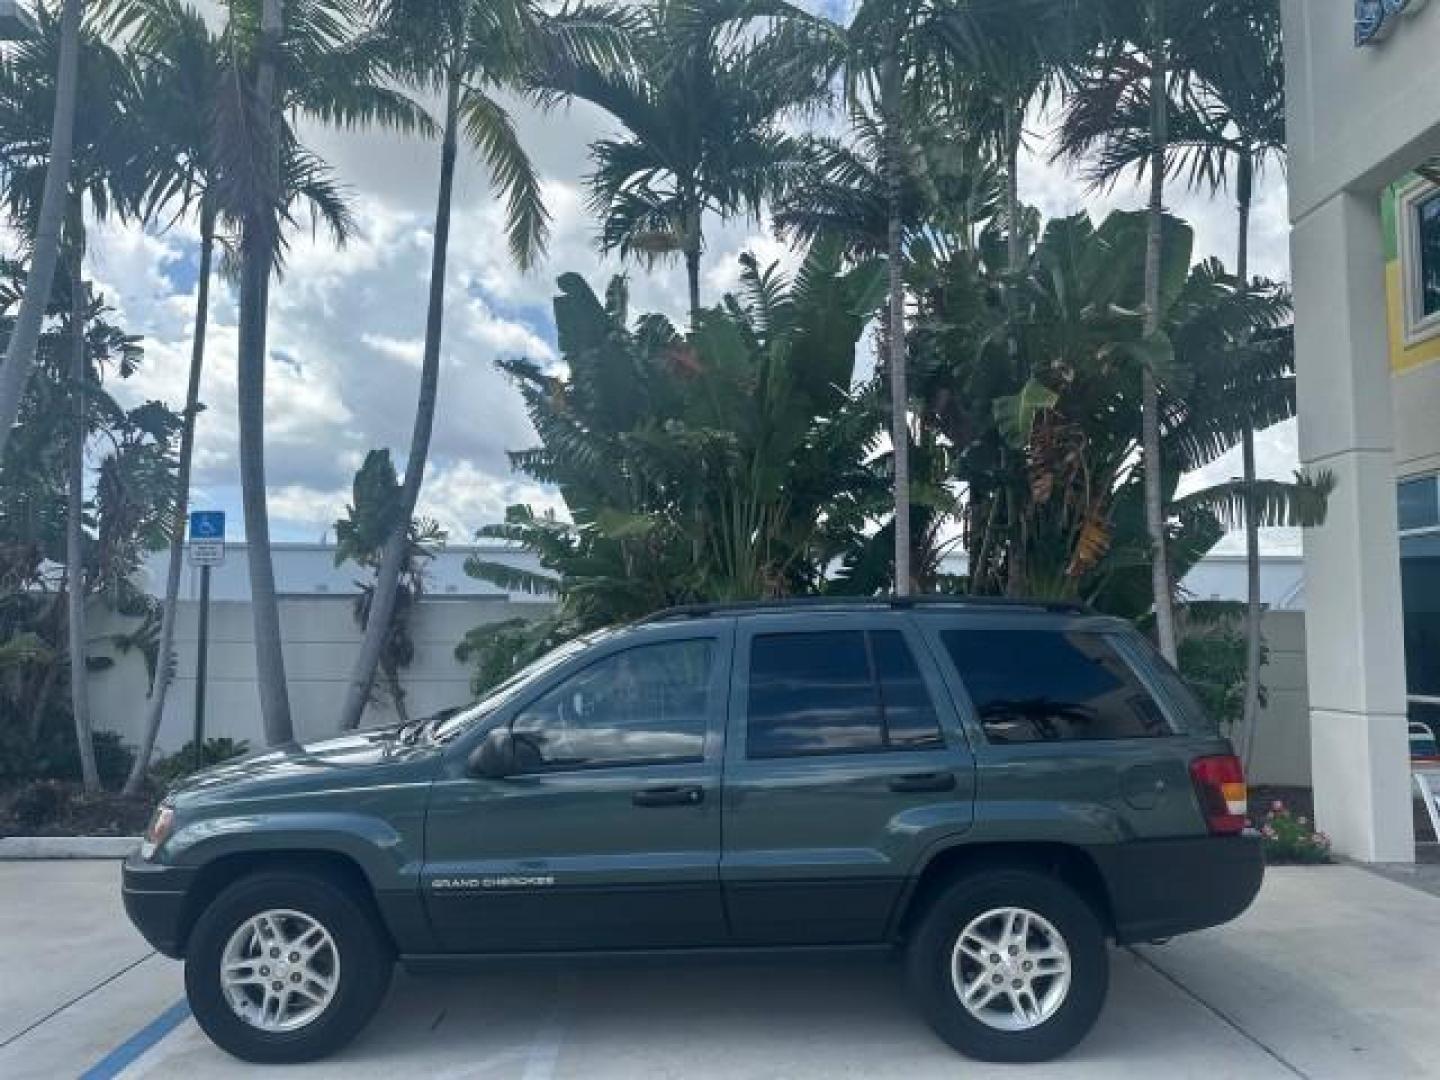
347, 325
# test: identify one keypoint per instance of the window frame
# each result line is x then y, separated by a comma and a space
737, 743
1416, 327
721, 637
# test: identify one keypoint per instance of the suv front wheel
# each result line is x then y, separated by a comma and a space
285, 967
1010, 965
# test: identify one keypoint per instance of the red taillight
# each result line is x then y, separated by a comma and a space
1220, 787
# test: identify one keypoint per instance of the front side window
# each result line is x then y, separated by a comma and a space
1045, 686
837, 692
646, 705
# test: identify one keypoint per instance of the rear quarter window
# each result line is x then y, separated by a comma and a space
1047, 685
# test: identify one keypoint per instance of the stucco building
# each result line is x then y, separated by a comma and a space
1363, 84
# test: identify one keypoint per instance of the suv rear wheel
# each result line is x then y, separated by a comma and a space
285, 967
1010, 965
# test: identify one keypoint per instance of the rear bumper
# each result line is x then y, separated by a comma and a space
1160, 888
155, 902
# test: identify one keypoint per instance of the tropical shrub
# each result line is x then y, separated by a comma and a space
171, 767
1212, 658
360, 537
731, 463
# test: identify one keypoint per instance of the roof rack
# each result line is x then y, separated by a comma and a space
844, 603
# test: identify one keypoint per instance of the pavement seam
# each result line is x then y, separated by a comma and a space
1220, 1015
75, 1000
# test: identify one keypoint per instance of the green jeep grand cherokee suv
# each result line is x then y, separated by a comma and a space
994, 789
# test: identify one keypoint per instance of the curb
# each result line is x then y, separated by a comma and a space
66, 847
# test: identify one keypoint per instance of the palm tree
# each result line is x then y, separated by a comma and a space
1227, 112
1238, 114
182, 75
702, 120
1010, 58
314, 66
1134, 72
467, 51
20, 355
100, 177
895, 54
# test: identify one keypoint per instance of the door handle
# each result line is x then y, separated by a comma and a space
937, 781
669, 796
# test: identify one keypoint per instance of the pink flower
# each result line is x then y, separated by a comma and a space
1277, 806
1268, 833
1304, 821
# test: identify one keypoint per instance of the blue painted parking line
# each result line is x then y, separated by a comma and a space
131, 1050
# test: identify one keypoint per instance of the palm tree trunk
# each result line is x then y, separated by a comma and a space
692, 275
75, 533
1150, 403
691, 243
1018, 575
895, 329
1244, 186
25, 338
1012, 192
387, 580
163, 669
257, 247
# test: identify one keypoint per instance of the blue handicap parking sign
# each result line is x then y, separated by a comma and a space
207, 525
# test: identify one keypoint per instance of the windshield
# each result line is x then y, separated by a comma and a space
516, 685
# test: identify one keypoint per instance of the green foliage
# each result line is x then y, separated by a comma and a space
702, 108
361, 537
53, 755
730, 464
498, 650
1212, 659
172, 767
1290, 838
131, 453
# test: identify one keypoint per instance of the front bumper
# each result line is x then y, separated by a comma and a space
1160, 888
155, 899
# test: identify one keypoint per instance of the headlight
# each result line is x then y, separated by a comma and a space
161, 825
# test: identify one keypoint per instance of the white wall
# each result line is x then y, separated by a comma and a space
1282, 737
1358, 118
321, 640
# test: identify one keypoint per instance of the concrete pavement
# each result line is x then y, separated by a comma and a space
1332, 974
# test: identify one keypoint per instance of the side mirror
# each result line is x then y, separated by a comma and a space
495, 756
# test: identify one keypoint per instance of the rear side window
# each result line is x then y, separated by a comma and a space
1045, 686
837, 692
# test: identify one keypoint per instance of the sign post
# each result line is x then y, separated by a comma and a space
207, 549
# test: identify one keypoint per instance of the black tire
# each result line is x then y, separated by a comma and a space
932, 946
365, 965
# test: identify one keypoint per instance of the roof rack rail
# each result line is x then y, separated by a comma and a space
841, 603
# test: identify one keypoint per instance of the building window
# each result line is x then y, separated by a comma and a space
1419, 501
1420, 595
1419, 235
1427, 229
